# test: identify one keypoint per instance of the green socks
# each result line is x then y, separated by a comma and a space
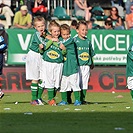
55, 91
51, 93
131, 92
40, 90
34, 88
77, 95
64, 96
82, 95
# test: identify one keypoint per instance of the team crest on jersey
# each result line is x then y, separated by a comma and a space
53, 54
84, 56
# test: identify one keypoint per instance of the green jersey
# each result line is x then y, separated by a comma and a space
129, 66
73, 32
36, 40
84, 50
70, 65
53, 53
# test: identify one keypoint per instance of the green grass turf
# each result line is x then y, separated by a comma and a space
106, 113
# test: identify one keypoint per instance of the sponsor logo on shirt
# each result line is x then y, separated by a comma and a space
53, 54
84, 56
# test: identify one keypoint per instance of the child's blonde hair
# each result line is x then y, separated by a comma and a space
51, 24
38, 18
65, 27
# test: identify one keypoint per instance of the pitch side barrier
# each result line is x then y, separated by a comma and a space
110, 46
108, 75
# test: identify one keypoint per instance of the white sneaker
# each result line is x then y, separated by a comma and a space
1, 94
40, 102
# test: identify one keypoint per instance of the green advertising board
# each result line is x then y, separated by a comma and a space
110, 45
18, 46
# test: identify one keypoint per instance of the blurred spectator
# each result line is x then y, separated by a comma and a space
129, 19
22, 18
6, 2
90, 24
128, 3
116, 19
73, 27
29, 4
7, 12
119, 5
73, 24
39, 8
108, 25
81, 9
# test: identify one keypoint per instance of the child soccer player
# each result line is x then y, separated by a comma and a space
70, 68
129, 70
34, 61
52, 63
85, 53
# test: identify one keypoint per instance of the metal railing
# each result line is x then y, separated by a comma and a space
67, 4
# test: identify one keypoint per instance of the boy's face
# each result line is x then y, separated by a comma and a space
40, 26
82, 31
65, 34
55, 32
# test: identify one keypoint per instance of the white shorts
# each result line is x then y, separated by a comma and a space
51, 74
33, 65
130, 83
70, 83
83, 77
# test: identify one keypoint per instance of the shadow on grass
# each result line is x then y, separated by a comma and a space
87, 103
67, 122
21, 102
18, 102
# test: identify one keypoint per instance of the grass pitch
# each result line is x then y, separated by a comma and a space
106, 113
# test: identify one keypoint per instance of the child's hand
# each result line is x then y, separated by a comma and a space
42, 34
62, 47
41, 46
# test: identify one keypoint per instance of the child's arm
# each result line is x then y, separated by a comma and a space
92, 53
41, 48
55, 40
48, 44
62, 46
92, 65
44, 47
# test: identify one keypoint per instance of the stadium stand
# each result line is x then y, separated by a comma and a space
60, 13
63, 10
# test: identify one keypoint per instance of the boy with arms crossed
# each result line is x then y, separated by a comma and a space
70, 68
85, 53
